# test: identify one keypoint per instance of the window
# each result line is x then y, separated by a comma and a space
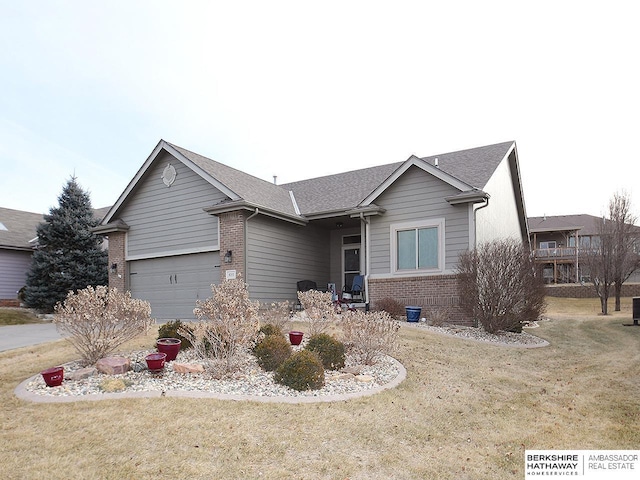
547, 245
417, 246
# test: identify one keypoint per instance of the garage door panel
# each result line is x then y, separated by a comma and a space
172, 285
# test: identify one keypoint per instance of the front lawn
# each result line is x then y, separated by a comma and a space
17, 316
466, 410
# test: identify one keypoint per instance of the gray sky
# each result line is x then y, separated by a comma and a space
304, 89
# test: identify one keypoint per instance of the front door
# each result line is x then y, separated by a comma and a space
350, 264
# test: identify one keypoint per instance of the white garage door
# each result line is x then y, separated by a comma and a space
172, 285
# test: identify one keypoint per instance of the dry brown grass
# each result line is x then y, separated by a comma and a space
466, 411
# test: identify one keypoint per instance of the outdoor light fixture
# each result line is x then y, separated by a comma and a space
228, 256
114, 268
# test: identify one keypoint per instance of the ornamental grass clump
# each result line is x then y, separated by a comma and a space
98, 320
227, 327
319, 309
369, 336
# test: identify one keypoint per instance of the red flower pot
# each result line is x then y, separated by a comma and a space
170, 346
53, 376
155, 361
295, 337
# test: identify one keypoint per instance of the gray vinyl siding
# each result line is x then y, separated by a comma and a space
14, 265
417, 195
280, 254
165, 219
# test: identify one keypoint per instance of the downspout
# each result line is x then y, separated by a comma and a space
475, 221
367, 257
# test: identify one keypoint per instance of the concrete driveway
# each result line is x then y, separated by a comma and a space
16, 336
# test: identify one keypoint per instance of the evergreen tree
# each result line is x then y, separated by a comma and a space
69, 256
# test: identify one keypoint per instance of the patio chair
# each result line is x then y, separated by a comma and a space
356, 289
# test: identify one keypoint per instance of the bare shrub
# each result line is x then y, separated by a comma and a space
500, 286
319, 309
368, 336
276, 314
227, 327
98, 320
391, 306
437, 316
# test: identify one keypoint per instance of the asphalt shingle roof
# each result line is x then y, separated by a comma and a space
344, 191
474, 166
252, 189
20, 228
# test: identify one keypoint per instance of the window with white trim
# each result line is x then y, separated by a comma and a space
417, 246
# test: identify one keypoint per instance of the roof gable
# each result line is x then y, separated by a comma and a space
466, 170
235, 184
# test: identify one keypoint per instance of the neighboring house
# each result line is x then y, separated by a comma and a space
18, 239
557, 242
185, 222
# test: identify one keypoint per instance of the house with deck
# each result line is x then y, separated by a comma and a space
558, 241
186, 221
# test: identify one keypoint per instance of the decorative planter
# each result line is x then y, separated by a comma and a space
155, 361
413, 313
295, 337
170, 346
53, 376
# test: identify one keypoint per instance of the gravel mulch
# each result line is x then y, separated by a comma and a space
250, 382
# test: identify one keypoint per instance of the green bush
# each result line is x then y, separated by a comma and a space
301, 371
330, 350
272, 351
170, 330
270, 329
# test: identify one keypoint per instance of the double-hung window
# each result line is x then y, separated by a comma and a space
417, 246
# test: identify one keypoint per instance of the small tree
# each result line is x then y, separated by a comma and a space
599, 261
69, 256
369, 336
319, 309
98, 320
500, 286
227, 328
624, 240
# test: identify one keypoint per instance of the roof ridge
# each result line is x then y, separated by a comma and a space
509, 142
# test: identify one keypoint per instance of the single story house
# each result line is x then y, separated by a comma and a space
185, 222
17, 241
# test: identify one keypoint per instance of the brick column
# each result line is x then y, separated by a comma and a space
116, 256
232, 238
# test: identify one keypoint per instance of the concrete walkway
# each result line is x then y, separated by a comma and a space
16, 336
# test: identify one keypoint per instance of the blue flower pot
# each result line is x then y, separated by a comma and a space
413, 313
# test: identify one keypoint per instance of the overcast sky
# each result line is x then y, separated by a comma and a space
303, 89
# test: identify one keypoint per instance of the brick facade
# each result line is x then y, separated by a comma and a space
117, 242
232, 238
434, 292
